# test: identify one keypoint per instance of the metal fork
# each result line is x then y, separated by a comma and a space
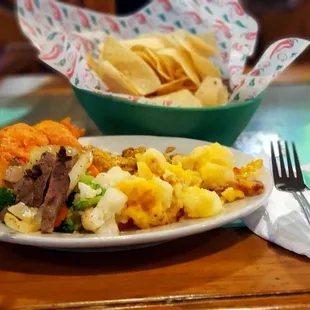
287, 180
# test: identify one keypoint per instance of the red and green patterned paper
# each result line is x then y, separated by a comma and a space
64, 34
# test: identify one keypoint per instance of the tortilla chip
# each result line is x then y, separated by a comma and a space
188, 84
196, 43
149, 42
92, 62
184, 59
182, 97
142, 77
115, 80
203, 65
210, 39
171, 86
145, 56
101, 46
179, 73
164, 38
170, 65
152, 58
212, 92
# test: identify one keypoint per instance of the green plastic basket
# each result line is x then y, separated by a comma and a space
115, 116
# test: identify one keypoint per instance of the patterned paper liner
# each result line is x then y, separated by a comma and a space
64, 34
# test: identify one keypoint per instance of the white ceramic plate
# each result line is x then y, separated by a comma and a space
153, 236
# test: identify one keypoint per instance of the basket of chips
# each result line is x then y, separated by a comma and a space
175, 68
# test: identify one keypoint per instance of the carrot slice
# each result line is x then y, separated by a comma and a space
93, 171
61, 216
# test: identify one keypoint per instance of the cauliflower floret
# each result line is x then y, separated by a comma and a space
200, 202
230, 194
154, 159
113, 176
101, 219
87, 192
109, 228
113, 201
92, 219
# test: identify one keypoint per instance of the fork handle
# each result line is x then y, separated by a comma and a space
304, 203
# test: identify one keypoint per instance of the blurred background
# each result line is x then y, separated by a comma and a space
276, 18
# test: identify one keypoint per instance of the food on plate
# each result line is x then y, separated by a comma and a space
104, 160
51, 183
17, 142
154, 65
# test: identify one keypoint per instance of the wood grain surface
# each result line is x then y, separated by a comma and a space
224, 265
222, 269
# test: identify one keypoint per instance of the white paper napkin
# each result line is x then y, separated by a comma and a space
282, 220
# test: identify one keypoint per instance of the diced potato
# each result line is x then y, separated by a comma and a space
23, 212
14, 223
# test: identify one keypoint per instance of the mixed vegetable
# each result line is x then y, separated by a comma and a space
86, 205
7, 198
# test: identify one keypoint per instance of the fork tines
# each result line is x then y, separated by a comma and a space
285, 173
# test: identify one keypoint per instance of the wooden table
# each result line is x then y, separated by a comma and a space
222, 269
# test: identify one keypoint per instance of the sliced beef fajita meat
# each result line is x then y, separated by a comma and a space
46, 165
31, 188
72, 162
24, 189
57, 190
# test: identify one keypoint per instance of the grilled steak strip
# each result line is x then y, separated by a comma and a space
57, 191
31, 188
46, 166
24, 189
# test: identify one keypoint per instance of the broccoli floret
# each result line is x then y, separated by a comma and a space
7, 197
97, 186
85, 203
71, 223
88, 180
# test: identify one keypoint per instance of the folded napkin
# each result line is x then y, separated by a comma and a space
282, 220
